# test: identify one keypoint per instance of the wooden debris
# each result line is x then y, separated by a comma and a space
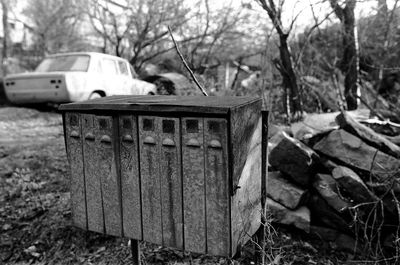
281, 190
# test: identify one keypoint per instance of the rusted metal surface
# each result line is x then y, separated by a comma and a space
130, 181
246, 202
187, 179
171, 182
107, 172
193, 185
94, 200
73, 137
243, 122
217, 186
149, 144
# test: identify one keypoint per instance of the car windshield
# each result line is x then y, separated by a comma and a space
78, 63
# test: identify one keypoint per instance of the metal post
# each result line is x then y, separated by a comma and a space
135, 248
264, 175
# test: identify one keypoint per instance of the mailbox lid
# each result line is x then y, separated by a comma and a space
172, 104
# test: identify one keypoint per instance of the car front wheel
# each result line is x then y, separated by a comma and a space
94, 95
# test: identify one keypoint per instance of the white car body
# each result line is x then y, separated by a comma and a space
70, 77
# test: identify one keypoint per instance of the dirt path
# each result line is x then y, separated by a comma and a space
35, 217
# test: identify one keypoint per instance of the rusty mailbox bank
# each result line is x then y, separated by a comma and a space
182, 172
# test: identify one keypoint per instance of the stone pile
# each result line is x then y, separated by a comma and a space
338, 180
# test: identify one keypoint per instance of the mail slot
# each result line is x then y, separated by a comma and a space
182, 172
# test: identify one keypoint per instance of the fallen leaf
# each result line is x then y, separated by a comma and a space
6, 227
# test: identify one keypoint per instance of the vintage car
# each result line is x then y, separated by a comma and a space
70, 77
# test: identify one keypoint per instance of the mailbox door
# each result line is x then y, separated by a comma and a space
107, 173
171, 182
217, 186
92, 183
194, 209
130, 181
73, 137
149, 144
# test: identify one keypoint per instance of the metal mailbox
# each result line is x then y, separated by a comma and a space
182, 172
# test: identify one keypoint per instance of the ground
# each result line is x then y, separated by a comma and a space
35, 216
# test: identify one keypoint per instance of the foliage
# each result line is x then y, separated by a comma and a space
55, 25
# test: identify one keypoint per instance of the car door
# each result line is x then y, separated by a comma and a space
125, 77
113, 84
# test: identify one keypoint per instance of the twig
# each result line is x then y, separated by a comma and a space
186, 65
371, 109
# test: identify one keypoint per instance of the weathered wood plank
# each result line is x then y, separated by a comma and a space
73, 137
107, 171
246, 202
93, 185
171, 182
130, 182
149, 142
193, 185
217, 186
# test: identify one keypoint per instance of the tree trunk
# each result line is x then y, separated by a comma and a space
350, 61
289, 80
6, 34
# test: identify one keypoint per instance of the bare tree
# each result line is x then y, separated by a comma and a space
219, 36
137, 29
292, 96
385, 17
55, 25
350, 59
6, 35
105, 18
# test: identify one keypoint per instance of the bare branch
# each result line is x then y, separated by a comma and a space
186, 65
339, 11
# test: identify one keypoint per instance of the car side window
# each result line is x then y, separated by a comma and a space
123, 69
109, 66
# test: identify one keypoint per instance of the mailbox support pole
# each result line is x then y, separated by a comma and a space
135, 248
264, 176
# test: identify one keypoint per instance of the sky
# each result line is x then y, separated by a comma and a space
302, 8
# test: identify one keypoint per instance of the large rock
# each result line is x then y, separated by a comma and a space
295, 159
326, 187
353, 152
322, 122
281, 190
323, 213
372, 138
274, 140
299, 218
356, 188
